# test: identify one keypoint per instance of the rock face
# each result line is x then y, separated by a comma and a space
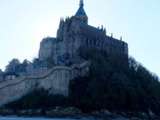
46, 48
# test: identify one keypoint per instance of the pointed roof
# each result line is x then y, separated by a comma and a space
81, 11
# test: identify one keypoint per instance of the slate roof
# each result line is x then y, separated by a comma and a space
92, 32
81, 12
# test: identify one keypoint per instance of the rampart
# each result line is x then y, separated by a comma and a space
56, 80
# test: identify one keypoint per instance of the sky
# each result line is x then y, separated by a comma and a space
24, 23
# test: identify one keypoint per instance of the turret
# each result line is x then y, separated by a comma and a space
81, 14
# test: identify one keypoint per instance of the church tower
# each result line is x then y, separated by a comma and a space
81, 14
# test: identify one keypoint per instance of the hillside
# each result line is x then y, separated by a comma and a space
116, 86
109, 85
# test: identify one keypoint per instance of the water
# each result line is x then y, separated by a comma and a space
22, 118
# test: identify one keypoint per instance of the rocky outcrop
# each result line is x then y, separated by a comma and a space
75, 113
63, 112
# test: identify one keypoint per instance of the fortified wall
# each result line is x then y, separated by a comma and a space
56, 80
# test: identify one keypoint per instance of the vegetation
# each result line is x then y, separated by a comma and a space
38, 99
114, 86
110, 84
16, 67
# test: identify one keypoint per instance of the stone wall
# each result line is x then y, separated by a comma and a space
56, 80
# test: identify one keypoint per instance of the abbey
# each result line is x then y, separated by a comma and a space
73, 34
59, 59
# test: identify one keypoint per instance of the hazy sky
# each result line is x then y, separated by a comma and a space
23, 24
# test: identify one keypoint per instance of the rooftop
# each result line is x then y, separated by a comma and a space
81, 12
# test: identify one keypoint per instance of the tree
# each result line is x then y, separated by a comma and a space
13, 66
110, 85
1, 71
24, 65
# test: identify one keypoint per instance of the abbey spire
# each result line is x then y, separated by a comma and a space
81, 12
81, 3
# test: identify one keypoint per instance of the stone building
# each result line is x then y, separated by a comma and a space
10, 76
73, 34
